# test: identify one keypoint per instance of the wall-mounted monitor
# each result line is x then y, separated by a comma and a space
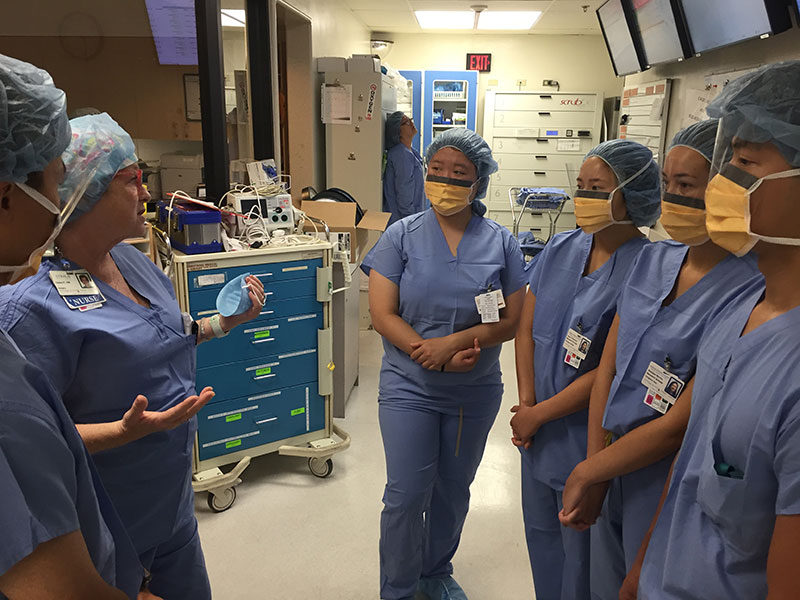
716, 23
622, 39
174, 31
663, 31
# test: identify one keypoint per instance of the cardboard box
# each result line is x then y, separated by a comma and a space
363, 64
331, 63
341, 216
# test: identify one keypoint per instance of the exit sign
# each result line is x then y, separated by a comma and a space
479, 62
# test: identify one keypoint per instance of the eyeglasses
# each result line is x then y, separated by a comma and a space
128, 171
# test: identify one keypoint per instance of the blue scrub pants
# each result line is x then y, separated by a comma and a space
559, 555
629, 508
431, 459
178, 566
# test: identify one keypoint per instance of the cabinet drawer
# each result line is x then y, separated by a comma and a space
538, 162
271, 310
543, 119
550, 146
205, 300
234, 425
264, 374
279, 271
571, 102
263, 337
538, 178
539, 223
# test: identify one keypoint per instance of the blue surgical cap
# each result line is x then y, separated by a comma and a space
95, 138
476, 150
34, 129
764, 106
392, 132
700, 137
643, 193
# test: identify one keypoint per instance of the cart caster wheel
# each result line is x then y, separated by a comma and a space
319, 467
222, 501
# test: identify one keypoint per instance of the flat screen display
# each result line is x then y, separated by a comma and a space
174, 31
658, 28
619, 38
716, 23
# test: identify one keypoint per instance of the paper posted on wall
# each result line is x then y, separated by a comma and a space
337, 104
696, 103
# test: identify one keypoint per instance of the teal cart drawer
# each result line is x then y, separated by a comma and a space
243, 423
216, 278
263, 337
251, 377
271, 310
206, 300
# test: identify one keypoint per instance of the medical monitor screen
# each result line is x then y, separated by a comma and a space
174, 31
716, 23
619, 38
663, 37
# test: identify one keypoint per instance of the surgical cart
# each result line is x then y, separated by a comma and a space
273, 376
536, 200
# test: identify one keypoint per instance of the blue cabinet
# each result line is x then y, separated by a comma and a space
450, 101
269, 387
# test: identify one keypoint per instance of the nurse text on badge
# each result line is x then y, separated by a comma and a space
78, 289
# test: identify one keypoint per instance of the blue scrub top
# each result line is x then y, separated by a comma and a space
713, 536
565, 298
49, 485
403, 186
437, 297
649, 331
99, 361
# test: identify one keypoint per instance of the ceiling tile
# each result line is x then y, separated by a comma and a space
386, 18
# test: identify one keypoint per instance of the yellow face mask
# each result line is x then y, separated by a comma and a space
728, 209
593, 210
448, 196
684, 219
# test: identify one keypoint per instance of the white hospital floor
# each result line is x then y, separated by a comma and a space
292, 536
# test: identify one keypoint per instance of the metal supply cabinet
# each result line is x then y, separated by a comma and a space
273, 376
538, 139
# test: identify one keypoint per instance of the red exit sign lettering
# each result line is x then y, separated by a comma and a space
479, 62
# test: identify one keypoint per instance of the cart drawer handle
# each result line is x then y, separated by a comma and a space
545, 96
270, 420
541, 157
272, 339
266, 312
544, 114
259, 378
262, 274
540, 172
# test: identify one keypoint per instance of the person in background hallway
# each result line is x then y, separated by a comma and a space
403, 193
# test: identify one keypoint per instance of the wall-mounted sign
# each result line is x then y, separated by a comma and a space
479, 62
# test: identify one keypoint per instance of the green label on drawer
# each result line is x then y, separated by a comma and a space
298, 411
233, 444
264, 371
232, 418
261, 334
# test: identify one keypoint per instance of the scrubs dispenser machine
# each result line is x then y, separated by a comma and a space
272, 376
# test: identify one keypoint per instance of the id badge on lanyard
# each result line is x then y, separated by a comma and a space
663, 387
78, 289
577, 346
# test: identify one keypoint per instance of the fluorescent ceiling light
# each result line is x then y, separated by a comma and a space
233, 17
496, 19
445, 19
